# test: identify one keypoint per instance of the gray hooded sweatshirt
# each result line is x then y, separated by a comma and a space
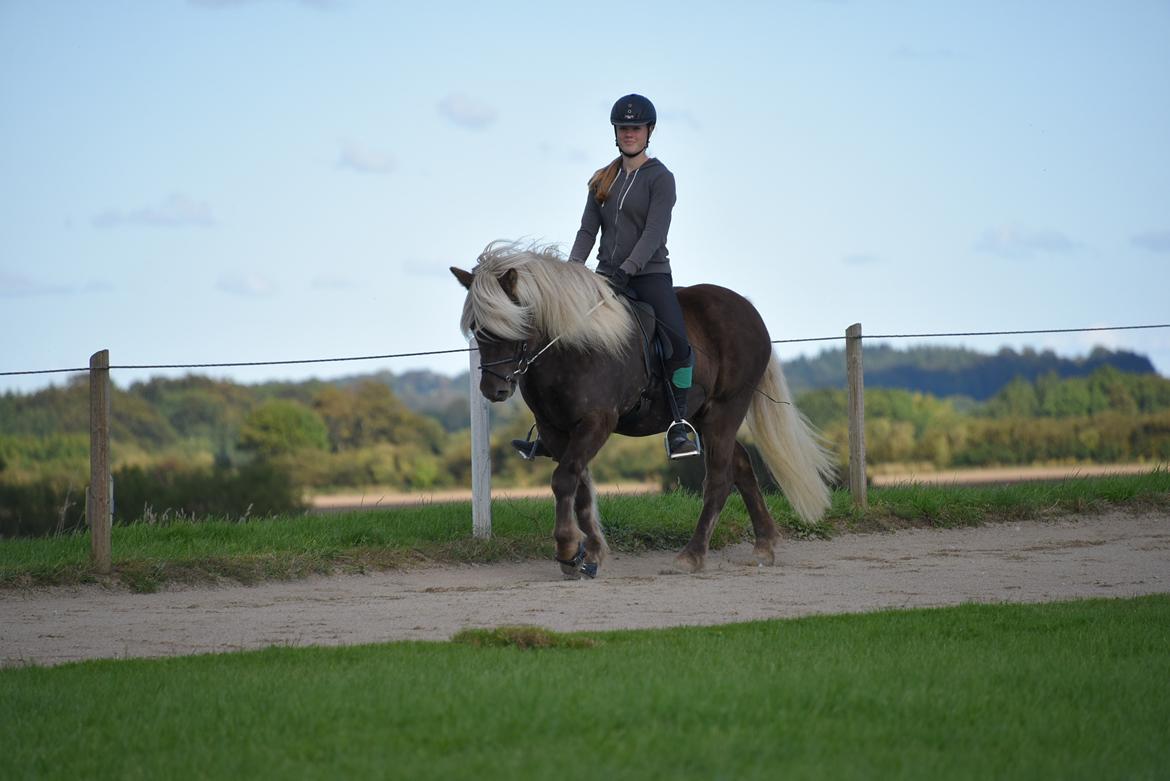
634, 221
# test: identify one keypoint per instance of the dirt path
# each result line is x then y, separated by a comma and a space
1113, 555
375, 496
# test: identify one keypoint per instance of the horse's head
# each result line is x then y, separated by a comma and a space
502, 359
520, 298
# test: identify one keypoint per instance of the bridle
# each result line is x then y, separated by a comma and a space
522, 361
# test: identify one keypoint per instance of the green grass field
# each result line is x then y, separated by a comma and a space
1069, 690
147, 555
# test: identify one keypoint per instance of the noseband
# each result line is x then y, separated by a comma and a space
521, 360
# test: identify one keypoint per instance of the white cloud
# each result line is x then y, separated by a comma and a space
679, 118
177, 211
466, 111
1154, 241
423, 268
248, 285
363, 160
332, 282
1014, 241
861, 259
20, 286
97, 286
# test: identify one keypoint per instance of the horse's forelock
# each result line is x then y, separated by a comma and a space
489, 309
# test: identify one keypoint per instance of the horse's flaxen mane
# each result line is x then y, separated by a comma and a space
555, 298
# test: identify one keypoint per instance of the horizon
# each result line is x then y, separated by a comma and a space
79, 376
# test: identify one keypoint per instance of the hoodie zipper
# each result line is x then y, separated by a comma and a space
629, 185
617, 217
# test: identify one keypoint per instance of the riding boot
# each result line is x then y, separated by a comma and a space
681, 438
530, 448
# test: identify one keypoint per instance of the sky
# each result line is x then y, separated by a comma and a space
222, 181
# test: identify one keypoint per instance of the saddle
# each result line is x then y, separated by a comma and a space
656, 349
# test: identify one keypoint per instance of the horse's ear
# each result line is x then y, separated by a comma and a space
508, 282
464, 277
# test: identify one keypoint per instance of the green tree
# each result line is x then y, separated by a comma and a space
279, 427
369, 414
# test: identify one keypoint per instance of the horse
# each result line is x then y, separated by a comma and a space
560, 333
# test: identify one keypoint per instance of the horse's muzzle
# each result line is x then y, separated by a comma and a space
495, 390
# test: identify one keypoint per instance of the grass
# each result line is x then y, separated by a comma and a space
148, 555
1068, 690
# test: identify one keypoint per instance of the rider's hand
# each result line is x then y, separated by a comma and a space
619, 280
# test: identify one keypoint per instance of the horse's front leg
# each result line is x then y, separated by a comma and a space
589, 521
571, 473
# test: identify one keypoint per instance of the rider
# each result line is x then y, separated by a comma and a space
631, 200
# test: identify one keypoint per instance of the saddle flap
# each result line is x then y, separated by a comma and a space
653, 340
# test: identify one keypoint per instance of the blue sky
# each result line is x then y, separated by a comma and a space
235, 180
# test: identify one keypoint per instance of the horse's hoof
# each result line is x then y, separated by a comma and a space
765, 555
575, 567
576, 573
688, 563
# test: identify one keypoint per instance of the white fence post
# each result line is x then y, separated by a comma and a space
99, 499
481, 454
857, 485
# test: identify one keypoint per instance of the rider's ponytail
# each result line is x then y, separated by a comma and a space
603, 179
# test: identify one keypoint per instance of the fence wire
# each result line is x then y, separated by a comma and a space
390, 356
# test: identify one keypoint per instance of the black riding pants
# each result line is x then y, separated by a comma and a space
657, 290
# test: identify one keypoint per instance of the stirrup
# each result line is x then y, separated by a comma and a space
527, 448
686, 427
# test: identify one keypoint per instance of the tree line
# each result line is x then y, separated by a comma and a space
195, 433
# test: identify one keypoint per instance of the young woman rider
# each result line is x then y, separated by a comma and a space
630, 201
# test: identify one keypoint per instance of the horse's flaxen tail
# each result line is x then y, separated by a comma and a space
790, 446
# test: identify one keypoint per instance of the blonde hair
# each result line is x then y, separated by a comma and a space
603, 179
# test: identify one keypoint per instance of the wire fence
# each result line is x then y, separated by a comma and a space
389, 356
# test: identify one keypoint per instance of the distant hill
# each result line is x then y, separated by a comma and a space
939, 371
949, 371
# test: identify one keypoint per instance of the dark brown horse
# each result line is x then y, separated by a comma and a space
558, 332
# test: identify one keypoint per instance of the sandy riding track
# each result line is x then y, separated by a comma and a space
1112, 555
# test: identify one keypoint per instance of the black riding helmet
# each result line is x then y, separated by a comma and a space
632, 111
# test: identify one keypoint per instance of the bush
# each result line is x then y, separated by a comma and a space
40, 509
257, 489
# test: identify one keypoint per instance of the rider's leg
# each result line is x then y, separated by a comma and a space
658, 291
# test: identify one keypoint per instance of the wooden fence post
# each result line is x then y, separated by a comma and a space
99, 499
857, 485
481, 454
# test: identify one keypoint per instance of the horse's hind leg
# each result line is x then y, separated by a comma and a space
589, 521
719, 449
762, 522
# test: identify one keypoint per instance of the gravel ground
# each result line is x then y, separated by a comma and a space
1110, 555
